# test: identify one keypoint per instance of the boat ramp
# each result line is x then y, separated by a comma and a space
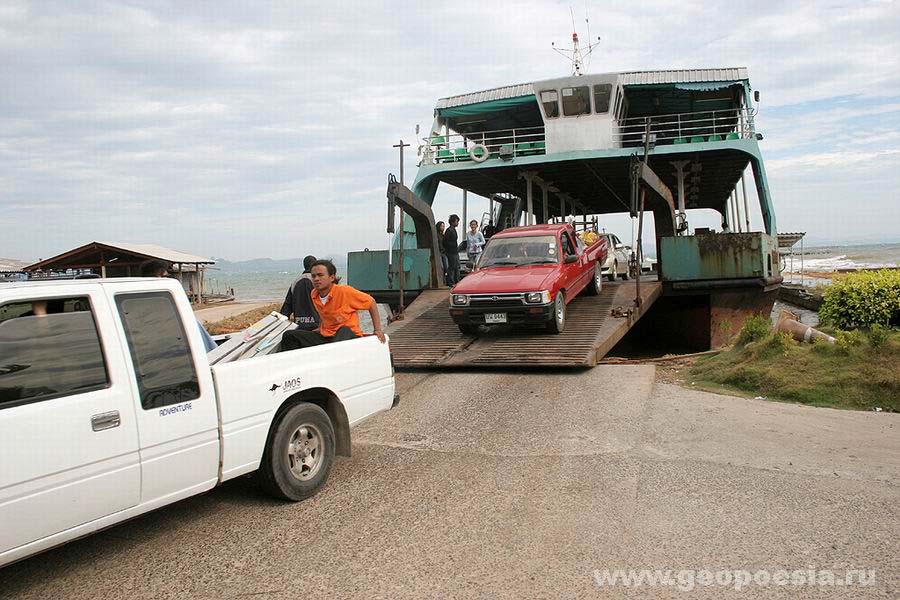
427, 337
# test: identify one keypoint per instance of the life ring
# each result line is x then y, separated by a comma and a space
479, 153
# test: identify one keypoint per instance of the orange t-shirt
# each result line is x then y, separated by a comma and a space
340, 310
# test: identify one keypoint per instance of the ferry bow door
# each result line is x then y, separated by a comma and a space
174, 398
67, 423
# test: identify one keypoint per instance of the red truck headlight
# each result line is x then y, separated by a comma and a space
459, 300
538, 297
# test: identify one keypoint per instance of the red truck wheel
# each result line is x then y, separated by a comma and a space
596, 283
558, 320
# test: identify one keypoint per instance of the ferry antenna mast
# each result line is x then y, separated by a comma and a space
574, 54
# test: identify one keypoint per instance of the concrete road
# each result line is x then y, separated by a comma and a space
517, 485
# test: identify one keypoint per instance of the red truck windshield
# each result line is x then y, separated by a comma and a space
527, 250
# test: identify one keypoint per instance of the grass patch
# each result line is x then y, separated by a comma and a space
241, 321
860, 372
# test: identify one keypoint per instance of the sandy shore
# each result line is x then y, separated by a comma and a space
217, 313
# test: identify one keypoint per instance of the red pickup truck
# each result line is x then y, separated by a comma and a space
528, 275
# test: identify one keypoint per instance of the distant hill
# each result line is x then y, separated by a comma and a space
270, 265
9, 264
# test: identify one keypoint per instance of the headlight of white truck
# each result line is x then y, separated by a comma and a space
460, 300
538, 297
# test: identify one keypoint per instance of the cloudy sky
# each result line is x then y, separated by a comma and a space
243, 129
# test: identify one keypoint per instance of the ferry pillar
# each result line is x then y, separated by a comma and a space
465, 210
546, 204
529, 198
746, 208
679, 173
530, 178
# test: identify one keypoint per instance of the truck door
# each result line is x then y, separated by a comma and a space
571, 270
67, 422
175, 401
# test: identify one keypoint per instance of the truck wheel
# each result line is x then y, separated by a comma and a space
558, 320
596, 284
299, 453
614, 271
468, 329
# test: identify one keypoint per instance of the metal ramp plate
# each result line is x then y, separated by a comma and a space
428, 338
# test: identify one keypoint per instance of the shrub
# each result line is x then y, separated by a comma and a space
774, 345
755, 328
848, 339
878, 335
862, 300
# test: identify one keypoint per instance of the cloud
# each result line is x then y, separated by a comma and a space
233, 130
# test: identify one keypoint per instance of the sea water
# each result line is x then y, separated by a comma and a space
272, 286
833, 258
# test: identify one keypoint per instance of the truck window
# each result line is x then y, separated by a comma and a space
602, 92
159, 349
567, 247
48, 349
576, 101
550, 101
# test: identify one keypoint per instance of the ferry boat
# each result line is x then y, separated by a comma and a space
665, 142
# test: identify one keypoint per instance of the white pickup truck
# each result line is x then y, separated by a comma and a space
109, 408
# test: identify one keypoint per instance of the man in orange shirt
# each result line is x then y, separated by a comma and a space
337, 306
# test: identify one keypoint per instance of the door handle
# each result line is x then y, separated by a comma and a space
106, 420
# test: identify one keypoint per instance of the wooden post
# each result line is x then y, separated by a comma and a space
640, 252
402, 306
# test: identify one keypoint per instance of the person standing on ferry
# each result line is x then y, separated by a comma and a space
474, 243
439, 229
451, 247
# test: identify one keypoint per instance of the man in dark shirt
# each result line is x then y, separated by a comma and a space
451, 247
298, 303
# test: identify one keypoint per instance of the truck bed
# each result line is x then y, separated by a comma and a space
249, 391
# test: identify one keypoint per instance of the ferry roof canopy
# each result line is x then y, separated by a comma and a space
523, 93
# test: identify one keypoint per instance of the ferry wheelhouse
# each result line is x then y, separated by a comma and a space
582, 147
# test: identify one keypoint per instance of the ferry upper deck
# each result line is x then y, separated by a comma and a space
580, 132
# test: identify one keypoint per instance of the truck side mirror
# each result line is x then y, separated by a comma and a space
570, 258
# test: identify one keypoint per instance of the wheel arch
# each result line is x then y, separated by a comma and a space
328, 401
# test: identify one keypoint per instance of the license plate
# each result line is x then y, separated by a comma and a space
491, 318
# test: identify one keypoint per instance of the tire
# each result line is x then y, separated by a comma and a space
558, 320
468, 329
596, 284
614, 271
627, 274
292, 469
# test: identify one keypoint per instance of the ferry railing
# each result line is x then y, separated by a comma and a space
505, 143
685, 128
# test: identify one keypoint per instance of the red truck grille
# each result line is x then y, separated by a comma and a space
496, 300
